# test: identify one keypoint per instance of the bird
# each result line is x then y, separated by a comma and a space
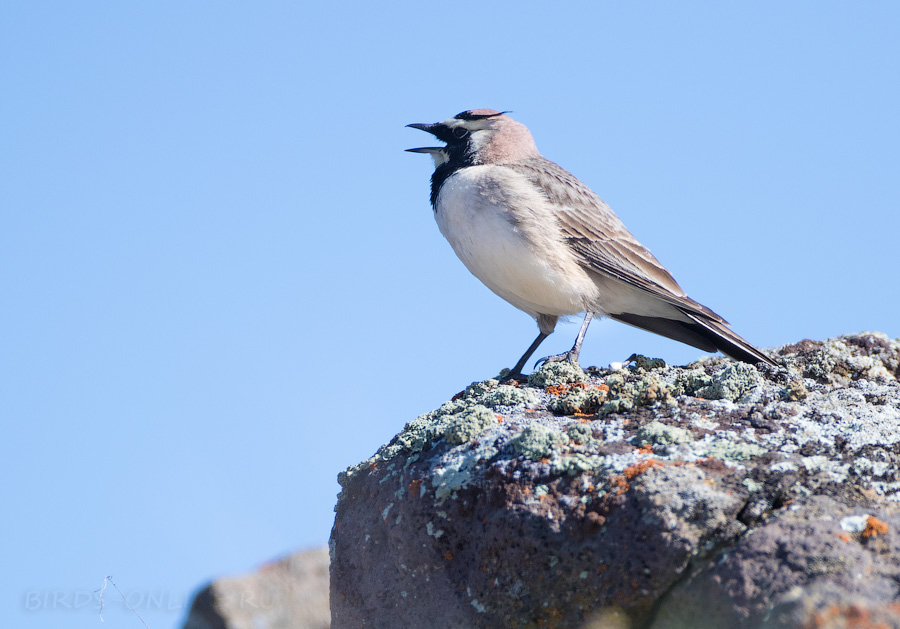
546, 243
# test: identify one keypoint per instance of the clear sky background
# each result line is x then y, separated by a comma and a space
222, 282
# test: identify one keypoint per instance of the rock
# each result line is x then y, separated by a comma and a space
713, 495
288, 594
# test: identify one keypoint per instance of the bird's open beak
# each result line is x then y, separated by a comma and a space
431, 150
422, 126
429, 128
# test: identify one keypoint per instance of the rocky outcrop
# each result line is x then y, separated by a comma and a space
288, 594
714, 495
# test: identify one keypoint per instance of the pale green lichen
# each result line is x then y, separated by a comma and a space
651, 391
620, 397
537, 441
662, 434
819, 463
578, 400
624, 396
556, 373
447, 480
468, 425
478, 389
729, 450
752, 485
576, 463
581, 434
508, 395
737, 382
618, 405
689, 381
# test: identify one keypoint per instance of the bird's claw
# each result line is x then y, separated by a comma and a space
558, 358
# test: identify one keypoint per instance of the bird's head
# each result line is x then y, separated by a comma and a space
478, 136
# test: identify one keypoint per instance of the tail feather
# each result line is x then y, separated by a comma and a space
701, 332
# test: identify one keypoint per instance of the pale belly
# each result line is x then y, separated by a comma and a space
529, 267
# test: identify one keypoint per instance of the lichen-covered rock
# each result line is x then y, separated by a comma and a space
537, 441
465, 426
720, 495
738, 382
658, 432
578, 400
556, 373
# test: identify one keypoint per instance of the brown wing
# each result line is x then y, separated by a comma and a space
601, 240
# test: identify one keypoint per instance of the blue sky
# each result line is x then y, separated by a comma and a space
222, 279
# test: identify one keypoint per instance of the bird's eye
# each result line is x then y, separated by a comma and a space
460, 132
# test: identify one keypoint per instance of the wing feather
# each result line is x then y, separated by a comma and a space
601, 241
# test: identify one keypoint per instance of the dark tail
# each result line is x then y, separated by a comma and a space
702, 333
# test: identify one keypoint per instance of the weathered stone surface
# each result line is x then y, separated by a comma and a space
288, 594
715, 495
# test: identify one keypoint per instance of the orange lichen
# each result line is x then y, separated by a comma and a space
874, 527
647, 448
414, 487
448, 555
619, 484
557, 389
843, 537
639, 468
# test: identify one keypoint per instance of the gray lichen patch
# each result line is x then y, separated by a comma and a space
626, 393
459, 420
556, 373
580, 434
471, 423
689, 381
537, 441
734, 450
738, 382
662, 434
838, 361
508, 395
477, 390
583, 400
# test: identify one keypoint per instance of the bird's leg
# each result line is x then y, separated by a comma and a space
572, 354
516, 373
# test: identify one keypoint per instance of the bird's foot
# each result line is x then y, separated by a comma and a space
512, 376
570, 357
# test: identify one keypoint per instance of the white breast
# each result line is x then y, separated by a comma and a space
518, 254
